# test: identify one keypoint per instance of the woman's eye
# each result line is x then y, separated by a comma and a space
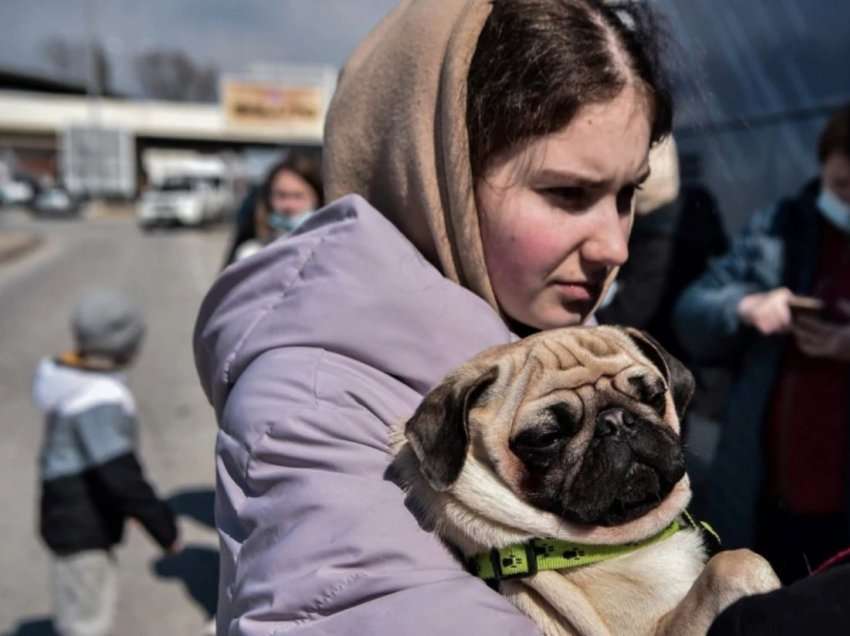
569, 196
624, 199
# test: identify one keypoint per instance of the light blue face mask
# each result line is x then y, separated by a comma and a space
834, 210
283, 224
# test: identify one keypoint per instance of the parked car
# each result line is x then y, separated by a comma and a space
56, 202
185, 200
16, 192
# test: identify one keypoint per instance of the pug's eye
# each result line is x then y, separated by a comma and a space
568, 422
555, 425
652, 392
536, 439
658, 401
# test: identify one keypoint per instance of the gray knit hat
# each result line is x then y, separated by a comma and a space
106, 322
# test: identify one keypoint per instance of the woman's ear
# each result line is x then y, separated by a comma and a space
679, 378
438, 432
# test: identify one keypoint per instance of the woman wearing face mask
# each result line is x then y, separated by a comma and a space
483, 157
778, 306
290, 193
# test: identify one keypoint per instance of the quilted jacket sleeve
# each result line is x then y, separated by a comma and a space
315, 538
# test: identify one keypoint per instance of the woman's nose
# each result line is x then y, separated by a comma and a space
608, 241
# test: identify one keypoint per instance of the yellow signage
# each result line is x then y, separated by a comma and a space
268, 104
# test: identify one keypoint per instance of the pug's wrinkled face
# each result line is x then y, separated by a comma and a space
598, 454
579, 422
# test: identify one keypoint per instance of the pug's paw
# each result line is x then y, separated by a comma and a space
727, 577
733, 574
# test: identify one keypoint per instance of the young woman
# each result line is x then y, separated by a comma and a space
490, 151
289, 194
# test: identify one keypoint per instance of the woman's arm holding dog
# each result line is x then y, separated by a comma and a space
312, 530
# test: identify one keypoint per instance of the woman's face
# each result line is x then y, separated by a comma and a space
555, 216
291, 195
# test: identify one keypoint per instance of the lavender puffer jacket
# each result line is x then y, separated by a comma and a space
310, 351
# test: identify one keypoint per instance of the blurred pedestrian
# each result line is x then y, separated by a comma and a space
289, 194
91, 478
777, 306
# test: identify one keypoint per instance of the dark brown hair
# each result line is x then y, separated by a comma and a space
836, 136
304, 165
537, 62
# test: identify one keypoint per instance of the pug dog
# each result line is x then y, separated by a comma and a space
572, 435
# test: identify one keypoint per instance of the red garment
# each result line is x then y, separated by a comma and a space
806, 432
842, 558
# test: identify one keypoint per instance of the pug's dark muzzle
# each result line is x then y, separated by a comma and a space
629, 467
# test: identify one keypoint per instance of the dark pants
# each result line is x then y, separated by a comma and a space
796, 544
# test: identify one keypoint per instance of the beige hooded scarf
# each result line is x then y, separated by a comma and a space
396, 132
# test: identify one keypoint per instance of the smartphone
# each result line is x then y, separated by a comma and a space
806, 306
816, 308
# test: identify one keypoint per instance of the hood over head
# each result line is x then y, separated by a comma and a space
107, 322
396, 132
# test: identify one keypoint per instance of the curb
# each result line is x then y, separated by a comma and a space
14, 245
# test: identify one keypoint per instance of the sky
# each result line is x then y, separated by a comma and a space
233, 35
745, 57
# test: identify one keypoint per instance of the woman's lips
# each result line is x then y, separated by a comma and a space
578, 292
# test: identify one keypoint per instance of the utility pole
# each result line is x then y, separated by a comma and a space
94, 91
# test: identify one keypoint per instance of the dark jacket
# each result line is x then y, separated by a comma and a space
244, 225
91, 480
778, 248
815, 605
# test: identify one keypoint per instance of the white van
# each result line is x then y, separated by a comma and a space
186, 200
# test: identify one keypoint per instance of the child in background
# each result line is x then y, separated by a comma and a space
91, 479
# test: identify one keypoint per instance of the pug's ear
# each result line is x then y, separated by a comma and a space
438, 431
679, 378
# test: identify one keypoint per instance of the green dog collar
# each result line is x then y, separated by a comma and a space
522, 560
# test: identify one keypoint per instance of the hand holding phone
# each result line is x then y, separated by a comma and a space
802, 306
769, 313
824, 332
837, 313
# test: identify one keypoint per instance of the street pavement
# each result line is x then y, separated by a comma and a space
167, 272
